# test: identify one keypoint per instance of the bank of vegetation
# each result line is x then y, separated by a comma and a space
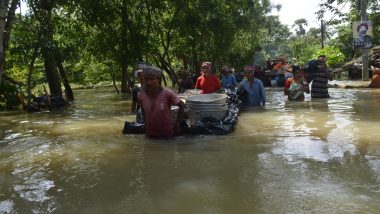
87, 42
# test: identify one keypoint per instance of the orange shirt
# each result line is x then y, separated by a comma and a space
278, 66
281, 67
208, 84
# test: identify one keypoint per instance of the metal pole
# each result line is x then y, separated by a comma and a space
322, 34
365, 75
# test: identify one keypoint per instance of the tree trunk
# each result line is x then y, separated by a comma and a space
6, 23
160, 65
124, 78
66, 84
47, 48
30, 74
3, 14
124, 44
9, 23
113, 81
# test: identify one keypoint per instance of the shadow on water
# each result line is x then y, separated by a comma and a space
317, 155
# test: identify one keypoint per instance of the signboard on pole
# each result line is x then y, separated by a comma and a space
363, 34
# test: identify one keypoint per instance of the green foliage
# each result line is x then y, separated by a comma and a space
333, 54
344, 40
97, 40
275, 38
303, 47
8, 96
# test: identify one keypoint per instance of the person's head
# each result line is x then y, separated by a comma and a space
184, 74
206, 68
376, 71
362, 28
322, 58
152, 78
139, 75
321, 62
297, 72
226, 70
282, 60
249, 71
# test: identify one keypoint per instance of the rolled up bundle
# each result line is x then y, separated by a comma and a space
206, 105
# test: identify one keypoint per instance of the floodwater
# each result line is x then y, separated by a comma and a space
320, 156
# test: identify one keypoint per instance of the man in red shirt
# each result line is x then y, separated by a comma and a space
207, 82
156, 103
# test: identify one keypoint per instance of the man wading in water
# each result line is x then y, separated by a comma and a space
156, 103
251, 88
320, 75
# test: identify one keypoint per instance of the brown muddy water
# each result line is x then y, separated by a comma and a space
319, 156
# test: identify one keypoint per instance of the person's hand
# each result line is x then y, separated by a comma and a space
306, 89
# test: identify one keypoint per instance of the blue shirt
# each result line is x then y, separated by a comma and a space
228, 81
256, 92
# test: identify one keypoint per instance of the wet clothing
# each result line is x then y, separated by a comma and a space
228, 81
295, 89
282, 68
319, 87
135, 90
157, 112
208, 84
255, 92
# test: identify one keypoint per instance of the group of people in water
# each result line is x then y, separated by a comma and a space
155, 102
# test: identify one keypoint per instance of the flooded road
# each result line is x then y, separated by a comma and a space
320, 156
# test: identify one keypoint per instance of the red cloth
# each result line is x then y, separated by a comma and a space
208, 84
287, 85
157, 112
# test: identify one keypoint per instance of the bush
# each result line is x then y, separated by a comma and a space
9, 99
333, 54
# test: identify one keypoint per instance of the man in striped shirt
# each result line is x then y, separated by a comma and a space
320, 76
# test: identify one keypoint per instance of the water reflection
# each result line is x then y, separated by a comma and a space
317, 155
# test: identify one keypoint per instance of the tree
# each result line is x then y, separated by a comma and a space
276, 38
344, 39
43, 11
7, 14
333, 54
303, 47
299, 25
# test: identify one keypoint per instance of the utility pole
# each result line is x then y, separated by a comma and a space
365, 75
322, 34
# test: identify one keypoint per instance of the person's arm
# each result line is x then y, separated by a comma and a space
305, 86
329, 75
176, 101
133, 107
371, 84
234, 82
198, 83
181, 113
142, 107
262, 95
134, 101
